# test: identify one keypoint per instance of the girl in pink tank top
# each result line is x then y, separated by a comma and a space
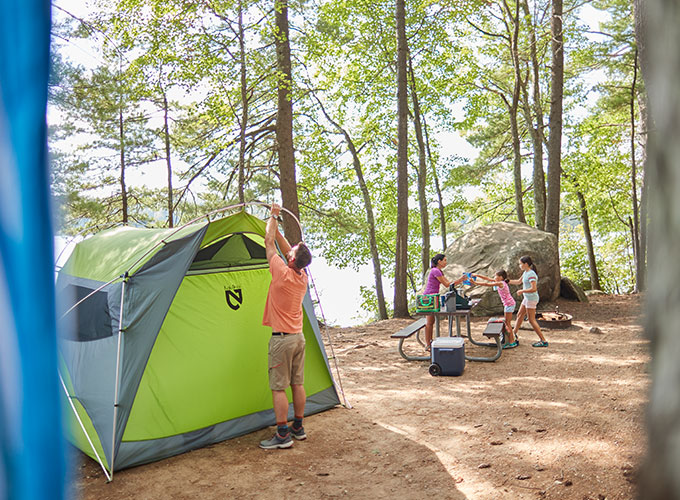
500, 284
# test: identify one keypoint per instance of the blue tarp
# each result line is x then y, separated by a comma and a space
32, 464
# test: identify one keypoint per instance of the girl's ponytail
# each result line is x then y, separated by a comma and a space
503, 275
527, 260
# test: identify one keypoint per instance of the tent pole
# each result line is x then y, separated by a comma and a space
82, 426
337, 384
115, 394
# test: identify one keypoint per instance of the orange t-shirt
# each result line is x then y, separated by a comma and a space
283, 309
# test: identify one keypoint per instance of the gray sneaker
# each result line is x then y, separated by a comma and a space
298, 434
277, 442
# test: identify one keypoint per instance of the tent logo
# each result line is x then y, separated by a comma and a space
234, 298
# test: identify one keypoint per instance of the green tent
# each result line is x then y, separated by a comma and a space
163, 347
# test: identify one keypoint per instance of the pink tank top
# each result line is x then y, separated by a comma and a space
504, 292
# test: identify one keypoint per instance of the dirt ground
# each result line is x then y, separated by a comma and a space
566, 422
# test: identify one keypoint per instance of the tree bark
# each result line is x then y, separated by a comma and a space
659, 24
401, 247
537, 131
633, 180
642, 103
284, 123
370, 217
422, 173
168, 160
244, 108
512, 109
123, 187
555, 138
440, 198
592, 262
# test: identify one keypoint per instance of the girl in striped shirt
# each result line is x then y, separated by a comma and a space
500, 283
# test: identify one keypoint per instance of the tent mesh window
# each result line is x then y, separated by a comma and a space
235, 250
91, 319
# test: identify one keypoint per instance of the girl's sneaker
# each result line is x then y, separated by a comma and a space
542, 343
511, 345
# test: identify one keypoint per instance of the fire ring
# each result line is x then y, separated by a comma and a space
553, 319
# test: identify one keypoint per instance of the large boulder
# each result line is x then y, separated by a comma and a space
571, 291
487, 249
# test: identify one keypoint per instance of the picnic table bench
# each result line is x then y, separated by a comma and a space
493, 331
404, 333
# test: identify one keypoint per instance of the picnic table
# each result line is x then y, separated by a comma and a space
492, 331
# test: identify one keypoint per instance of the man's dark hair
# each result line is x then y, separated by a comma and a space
303, 257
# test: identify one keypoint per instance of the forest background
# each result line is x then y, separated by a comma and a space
375, 97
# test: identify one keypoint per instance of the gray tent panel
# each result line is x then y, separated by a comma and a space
148, 296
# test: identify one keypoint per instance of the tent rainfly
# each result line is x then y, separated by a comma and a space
163, 348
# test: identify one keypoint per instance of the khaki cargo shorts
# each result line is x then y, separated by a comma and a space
286, 361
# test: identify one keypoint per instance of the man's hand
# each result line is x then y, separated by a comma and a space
276, 210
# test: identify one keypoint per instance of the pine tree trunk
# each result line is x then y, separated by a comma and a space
422, 174
440, 198
513, 108
168, 160
592, 262
123, 187
555, 138
401, 247
537, 132
370, 218
244, 107
633, 180
284, 123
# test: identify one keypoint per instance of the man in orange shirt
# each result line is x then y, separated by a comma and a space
283, 313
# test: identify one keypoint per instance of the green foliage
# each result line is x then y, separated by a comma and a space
184, 59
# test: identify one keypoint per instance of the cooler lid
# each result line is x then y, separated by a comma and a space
450, 342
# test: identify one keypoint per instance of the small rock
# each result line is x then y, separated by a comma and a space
513, 429
539, 468
483, 466
540, 430
522, 477
595, 329
568, 482
322, 474
495, 443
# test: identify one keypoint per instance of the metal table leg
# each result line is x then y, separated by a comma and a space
488, 359
410, 358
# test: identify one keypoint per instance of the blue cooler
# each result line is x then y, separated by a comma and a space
448, 356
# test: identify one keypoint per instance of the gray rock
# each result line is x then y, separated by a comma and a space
570, 290
486, 249
594, 292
